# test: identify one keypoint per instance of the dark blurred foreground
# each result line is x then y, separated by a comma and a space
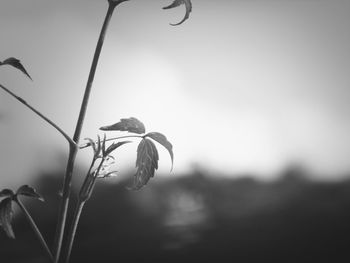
198, 219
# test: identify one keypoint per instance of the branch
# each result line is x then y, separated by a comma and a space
88, 144
35, 228
84, 194
65, 135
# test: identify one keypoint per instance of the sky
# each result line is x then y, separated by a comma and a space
241, 87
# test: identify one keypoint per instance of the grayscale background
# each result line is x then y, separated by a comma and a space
254, 96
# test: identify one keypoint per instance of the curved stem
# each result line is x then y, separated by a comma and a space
73, 150
111, 139
35, 228
65, 135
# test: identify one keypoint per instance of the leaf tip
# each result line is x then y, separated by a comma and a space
176, 3
29, 191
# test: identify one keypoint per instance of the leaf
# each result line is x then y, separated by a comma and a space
160, 138
114, 146
6, 215
130, 125
103, 171
30, 192
14, 62
117, 2
146, 163
177, 3
93, 145
107, 175
6, 193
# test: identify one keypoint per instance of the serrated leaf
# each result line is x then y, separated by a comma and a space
130, 125
146, 163
114, 146
161, 138
14, 62
6, 215
26, 190
177, 3
6, 193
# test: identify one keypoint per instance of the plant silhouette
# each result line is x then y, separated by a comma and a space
103, 155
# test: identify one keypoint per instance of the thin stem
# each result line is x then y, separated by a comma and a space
111, 139
65, 135
87, 181
73, 229
84, 195
73, 150
62, 216
35, 228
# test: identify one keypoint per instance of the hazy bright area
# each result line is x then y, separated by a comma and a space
242, 87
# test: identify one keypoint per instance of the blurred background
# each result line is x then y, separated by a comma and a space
253, 95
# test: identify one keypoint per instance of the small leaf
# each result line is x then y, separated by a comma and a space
107, 175
117, 2
130, 125
103, 171
6, 193
114, 146
160, 138
30, 192
146, 163
6, 214
14, 62
177, 3
93, 145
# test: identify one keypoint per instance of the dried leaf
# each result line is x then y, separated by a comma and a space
114, 146
146, 163
6, 215
30, 192
14, 62
160, 138
177, 3
6, 193
130, 125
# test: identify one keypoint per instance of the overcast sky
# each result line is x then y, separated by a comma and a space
241, 87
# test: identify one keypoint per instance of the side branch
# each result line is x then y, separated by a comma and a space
88, 144
35, 229
65, 135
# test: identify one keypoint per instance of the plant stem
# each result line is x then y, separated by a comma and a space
84, 195
35, 228
73, 150
73, 229
65, 135
111, 139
